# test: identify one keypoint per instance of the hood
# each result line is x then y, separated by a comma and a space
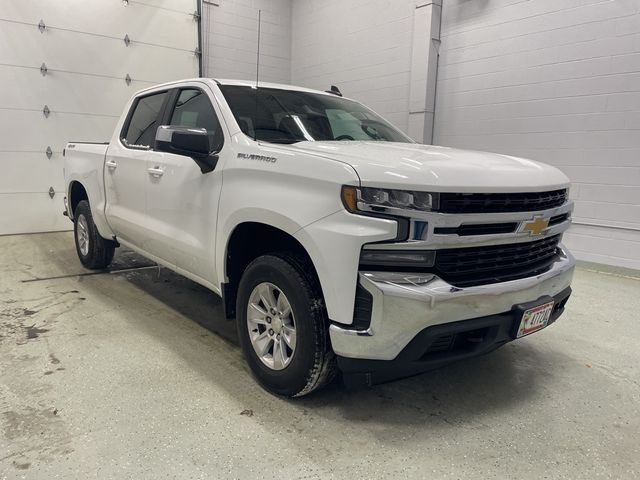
416, 166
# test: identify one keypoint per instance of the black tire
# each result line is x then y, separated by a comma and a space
99, 251
313, 364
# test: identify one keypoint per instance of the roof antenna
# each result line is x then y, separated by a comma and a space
258, 54
334, 90
255, 115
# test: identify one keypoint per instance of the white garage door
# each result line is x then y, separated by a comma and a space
558, 82
70, 58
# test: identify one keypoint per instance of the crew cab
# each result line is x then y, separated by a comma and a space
336, 242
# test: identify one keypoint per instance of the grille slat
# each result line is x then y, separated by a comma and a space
496, 263
500, 202
477, 229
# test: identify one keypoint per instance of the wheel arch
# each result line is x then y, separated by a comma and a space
77, 193
247, 241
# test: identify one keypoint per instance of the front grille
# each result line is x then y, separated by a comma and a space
477, 229
500, 202
464, 267
558, 219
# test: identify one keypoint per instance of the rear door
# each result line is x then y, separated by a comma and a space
125, 169
182, 202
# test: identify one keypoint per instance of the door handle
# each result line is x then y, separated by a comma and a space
156, 171
111, 165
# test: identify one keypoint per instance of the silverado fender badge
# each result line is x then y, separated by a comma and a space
260, 158
535, 227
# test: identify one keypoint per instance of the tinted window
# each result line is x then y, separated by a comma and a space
289, 116
144, 121
194, 109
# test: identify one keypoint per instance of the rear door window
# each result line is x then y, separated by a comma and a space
141, 131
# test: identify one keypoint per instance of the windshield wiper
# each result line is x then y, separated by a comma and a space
279, 140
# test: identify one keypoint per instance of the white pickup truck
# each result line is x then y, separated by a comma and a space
336, 242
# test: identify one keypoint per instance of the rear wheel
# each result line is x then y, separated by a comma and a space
94, 251
282, 325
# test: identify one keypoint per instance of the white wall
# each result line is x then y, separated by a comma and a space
230, 32
362, 46
85, 89
558, 82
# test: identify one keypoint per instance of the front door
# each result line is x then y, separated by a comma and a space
125, 169
182, 202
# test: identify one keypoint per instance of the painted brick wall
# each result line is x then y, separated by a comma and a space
230, 30
362, 46
558, 82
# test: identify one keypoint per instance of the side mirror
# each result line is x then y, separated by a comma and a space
191, 142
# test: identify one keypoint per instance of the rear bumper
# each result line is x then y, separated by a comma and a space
405, 306
442, 344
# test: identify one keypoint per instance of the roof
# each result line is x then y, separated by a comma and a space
246, 83
281, 86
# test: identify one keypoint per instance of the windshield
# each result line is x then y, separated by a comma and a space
289, 116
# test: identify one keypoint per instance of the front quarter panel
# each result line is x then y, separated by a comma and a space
288, 190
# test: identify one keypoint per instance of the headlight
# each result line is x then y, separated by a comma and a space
381, 200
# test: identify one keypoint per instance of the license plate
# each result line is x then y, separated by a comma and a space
535, 319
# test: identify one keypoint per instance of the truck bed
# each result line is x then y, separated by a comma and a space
84, 163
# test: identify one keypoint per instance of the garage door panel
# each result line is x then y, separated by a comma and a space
66, 92
31, 131
32, 212
176, 5
29, 172
143, 23
96, 55
84, 87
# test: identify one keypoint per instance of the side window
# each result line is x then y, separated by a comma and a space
194, 109
144, 121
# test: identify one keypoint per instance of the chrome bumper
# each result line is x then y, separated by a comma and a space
405, 304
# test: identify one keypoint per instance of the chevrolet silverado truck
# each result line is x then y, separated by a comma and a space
336, 242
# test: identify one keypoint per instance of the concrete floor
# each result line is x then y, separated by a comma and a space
137, 375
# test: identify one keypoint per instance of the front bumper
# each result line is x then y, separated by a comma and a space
439, 345
405, 305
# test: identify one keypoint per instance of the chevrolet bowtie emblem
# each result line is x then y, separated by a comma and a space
536, 226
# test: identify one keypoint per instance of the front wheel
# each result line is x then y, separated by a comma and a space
94, 251
282, 325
